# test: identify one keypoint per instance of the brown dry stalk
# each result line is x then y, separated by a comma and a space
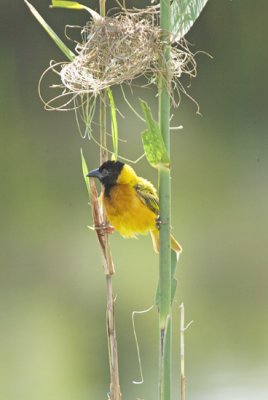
99, 224
100, 229
115, 391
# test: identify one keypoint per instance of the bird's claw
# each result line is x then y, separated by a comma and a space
159, 222
103, 228
108, 229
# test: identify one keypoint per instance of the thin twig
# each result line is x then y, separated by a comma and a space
182, 351
182, 329
137, 343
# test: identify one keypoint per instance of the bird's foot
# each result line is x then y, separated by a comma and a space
104, 228
109, 229
159, 222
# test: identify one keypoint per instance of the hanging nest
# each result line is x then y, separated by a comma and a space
119, 49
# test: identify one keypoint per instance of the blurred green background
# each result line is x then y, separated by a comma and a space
52, 297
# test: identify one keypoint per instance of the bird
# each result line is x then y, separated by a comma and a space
131, 202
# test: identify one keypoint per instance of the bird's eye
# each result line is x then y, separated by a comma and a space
104, 172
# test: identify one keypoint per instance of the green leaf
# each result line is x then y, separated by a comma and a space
68, 53
152, 140
183, 15
113, 123
85, 171
74, 6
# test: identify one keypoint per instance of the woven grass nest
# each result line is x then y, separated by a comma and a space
119, 49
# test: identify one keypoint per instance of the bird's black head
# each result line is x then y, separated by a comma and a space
107, 173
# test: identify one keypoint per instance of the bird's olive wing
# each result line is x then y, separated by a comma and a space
149, 197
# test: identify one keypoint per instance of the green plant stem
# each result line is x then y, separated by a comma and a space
102, 8
103, 141
103, 99
164, 200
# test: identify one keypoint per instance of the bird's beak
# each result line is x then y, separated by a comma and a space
95, 173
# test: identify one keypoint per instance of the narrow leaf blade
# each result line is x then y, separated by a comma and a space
74, 6
68, 53
67, 4
183, 15
152, 140
85, 171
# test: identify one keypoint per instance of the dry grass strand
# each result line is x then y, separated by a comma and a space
117, 50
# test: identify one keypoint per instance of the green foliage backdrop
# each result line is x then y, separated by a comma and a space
52, 311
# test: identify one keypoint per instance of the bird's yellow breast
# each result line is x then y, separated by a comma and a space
127, 213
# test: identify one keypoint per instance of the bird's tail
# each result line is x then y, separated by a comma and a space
156, 242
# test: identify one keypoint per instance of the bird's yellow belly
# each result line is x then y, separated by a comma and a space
127, 213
